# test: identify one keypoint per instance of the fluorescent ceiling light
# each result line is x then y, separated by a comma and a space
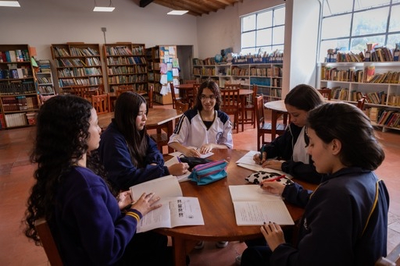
10, 3
103, 9
177, 12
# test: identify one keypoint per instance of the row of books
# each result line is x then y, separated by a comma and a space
44, 66
378, 54
118, 50
366, 75
80, 81
14, 56
132, 60
137, 69
127, 79
43, 79
19, 87
17, 73
45, 89
78, 72
385, 117
76, 62
137, 87
75, 51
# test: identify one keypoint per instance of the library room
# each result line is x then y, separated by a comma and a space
228, 99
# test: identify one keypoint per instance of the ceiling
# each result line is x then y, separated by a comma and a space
195, 7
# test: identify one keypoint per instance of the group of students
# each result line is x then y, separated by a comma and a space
83, 175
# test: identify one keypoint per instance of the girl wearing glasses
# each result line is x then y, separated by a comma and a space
205, 127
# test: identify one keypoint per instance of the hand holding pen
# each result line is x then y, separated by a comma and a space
272, 186
261, 157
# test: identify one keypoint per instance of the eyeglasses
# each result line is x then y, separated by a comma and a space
205, 97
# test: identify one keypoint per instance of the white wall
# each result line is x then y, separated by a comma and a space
41, 23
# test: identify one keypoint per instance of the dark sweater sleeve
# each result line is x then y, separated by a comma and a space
122, 172
302, 171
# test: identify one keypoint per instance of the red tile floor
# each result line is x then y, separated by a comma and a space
16, 180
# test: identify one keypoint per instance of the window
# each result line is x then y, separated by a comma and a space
263, 31
350, 25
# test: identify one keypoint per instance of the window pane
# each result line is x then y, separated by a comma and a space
249, 23
370, 22
392, 40
333, 44
264, 20
248, 39
264, 37
360, 44
335, 27
332, 7
279, 16
364, 4
248, 51
279, 35
394, 24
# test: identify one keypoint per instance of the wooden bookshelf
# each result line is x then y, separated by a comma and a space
126, 65
18, 96
44, 78
379, 82
77, 64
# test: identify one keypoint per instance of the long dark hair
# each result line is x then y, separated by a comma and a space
126, 110
61, 141
213, 86
352, 128
304, 97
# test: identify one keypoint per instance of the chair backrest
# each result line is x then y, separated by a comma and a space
190, 81
123, 88
85, 91
181, 107
361, 103
48, 243
232, 86
230, 100
326, 93
260, 112
101, 103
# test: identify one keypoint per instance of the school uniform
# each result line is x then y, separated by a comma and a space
115, 156
191, 131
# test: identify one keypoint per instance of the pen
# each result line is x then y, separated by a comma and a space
261, 153
179, 159
273, 179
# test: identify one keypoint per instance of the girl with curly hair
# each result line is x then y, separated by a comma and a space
71, 193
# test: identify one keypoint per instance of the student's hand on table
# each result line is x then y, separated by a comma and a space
206, 148
146, 203
189, 152
124, 199
257, 157
274, 164
273, 234
178, 169
273, 187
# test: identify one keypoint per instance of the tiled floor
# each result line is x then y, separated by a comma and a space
16, 180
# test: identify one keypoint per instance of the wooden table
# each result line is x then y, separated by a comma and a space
278, 108
156, 117
217, 209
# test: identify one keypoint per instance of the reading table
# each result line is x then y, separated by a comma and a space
217, 209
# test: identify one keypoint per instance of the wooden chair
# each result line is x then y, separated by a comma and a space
48, 243
231, 105
192, 95
173, 94
250, 107
161, 138
101, 103
122, 89
264, 127
84, 91
361, 103
150, 94
232, 86
326, 93
190, 81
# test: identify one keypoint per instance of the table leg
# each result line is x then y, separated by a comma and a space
274, 121
170, 130
179, 251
